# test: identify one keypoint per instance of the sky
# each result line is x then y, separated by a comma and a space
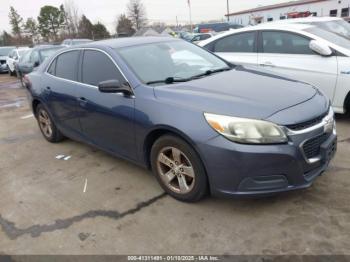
107, 11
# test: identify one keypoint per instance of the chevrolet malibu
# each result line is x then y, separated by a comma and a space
198, 122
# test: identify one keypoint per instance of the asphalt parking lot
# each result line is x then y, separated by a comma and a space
44, 209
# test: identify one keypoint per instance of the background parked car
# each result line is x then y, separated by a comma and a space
301, 51
4, 51
335, 25
71, 42
33, 59
200, 37
13, 58
216, 27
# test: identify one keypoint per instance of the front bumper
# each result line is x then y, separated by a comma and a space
252, 170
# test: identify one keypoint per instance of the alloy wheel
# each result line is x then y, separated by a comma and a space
176, 171
45, 123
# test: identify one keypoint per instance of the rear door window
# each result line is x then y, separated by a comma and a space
98, 67
66, 65
237, 43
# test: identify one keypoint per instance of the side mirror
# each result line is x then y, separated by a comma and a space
320, 48
36, 64
114, 86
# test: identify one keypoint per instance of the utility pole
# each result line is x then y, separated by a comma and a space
189, 7
228, 10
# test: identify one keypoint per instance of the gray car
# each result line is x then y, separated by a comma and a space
4, 51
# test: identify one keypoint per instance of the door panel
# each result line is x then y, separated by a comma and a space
106, 119
61, 93
289, 54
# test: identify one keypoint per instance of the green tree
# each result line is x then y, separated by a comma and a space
51, 20
100, 31
125, 26
137, 13
31, 27
85, 28
16, 22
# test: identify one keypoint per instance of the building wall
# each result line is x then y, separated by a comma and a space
320, 8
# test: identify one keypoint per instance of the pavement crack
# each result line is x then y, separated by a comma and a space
13, 232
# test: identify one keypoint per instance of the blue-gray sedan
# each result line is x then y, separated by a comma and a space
201, 124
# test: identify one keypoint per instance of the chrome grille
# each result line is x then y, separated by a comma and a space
306, 124
312, 147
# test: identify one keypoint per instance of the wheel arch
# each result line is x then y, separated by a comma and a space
347, 103
159, 131
36, 101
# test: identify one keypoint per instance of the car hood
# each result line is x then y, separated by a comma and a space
241, 92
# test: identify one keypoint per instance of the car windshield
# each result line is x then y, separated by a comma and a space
25, 56
4, 51
47, 52
329, 36
339, 27
21, 52
177, 60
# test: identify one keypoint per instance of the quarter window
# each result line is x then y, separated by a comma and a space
238, 43
285, 43
52, 68
98, 67
66, 65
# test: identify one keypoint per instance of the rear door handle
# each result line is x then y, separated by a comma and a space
268, 64
82, 101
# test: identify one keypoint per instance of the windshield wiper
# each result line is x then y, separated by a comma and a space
169, 80
210, 72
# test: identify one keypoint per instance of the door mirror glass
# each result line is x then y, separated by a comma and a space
114, 86
320, 48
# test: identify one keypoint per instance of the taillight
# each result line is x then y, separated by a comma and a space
27, 82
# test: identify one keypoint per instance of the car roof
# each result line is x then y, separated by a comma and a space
128, 41
265, 26
43, 47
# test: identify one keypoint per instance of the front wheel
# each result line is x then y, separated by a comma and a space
178, 169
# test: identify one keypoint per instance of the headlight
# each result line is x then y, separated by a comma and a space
246, 131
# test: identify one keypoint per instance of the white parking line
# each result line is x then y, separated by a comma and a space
27, 116
85, 185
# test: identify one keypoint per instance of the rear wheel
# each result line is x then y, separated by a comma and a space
47, 126
178, 169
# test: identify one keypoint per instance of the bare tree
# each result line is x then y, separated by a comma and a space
72, 17
137, 13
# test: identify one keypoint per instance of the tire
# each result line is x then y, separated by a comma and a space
47, 126
179, 169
